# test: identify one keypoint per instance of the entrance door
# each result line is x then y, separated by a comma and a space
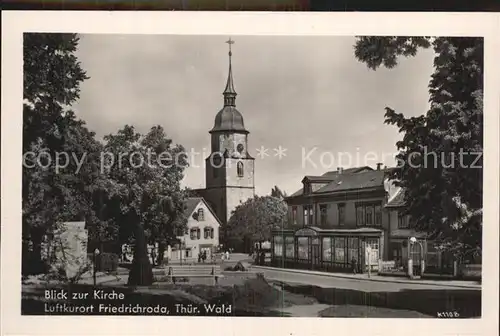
416, 256
372, 252
397, 254
208, 251
315, 256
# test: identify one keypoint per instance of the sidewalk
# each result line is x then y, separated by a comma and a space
380, 278
101, 278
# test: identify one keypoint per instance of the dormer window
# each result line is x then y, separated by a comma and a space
201, 215
307, 188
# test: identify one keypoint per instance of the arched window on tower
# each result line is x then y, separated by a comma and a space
239, 169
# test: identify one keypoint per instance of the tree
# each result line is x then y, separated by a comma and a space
278, 193
52, 78
251, 222
149, 204
440, 155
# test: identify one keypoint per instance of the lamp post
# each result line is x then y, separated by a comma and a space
369, 255
413, 241
96, 253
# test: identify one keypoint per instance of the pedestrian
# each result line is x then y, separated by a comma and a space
354, 264
262, 258
227, 255
204, 256
199, 257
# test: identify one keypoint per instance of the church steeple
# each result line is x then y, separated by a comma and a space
229, 119
229, 92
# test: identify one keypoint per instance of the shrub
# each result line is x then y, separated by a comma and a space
106, 262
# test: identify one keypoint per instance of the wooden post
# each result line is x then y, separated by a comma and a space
410, 267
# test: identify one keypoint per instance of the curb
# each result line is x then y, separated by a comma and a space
335, 275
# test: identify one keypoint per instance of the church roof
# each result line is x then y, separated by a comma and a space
229, 119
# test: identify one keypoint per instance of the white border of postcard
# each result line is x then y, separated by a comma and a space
234, 24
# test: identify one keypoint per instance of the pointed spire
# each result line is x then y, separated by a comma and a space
229, 92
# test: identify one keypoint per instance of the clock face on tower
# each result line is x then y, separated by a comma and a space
240, 148
216, 160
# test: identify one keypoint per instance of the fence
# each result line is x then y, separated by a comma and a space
388, 267
470, 271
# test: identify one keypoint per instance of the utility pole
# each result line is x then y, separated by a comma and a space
369, 254
96, 253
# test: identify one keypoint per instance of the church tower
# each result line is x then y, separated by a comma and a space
229, 167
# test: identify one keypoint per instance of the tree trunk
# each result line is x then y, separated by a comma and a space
141, 272
161, 252
35, 263
25, 257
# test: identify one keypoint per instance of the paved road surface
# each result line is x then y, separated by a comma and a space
343, 283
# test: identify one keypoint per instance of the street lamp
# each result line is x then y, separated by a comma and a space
369, 256
96, 253
413, 241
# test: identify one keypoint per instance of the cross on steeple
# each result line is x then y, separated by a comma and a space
229, 92
229, 42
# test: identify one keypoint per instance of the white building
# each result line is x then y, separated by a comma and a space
202, 234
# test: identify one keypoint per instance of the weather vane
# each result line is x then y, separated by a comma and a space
230, 42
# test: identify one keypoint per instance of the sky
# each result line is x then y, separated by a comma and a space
308, 95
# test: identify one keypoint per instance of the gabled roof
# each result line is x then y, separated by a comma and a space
348, 171
348, 179
321, 179
192, 203
362, 180
398, 200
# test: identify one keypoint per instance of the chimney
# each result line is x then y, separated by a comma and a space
379, 165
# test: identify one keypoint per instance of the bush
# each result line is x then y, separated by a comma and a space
471, 271
241, 267
106, 262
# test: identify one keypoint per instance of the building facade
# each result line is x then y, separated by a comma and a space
201, 235
355, 218
405, 242
336, 220
229, 175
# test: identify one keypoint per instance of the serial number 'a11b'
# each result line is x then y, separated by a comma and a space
448, 314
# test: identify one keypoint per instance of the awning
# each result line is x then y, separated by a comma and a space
312, 231
405, 234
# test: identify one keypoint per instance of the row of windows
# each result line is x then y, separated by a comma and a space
239, 170
369, 214
333, 249
195, 233
366, 214
404, 222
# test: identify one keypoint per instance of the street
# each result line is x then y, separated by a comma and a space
343, 283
